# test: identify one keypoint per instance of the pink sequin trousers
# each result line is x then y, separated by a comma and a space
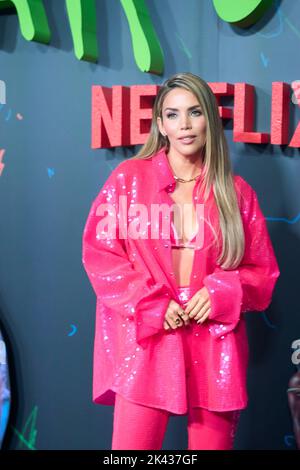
145, 426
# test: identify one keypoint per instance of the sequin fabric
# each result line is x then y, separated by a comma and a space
134, 281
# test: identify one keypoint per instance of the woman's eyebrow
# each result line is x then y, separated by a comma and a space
191, 107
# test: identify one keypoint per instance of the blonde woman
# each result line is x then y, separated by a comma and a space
177, 249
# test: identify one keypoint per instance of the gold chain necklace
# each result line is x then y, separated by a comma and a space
181, 180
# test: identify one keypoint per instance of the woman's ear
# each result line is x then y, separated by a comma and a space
160, 127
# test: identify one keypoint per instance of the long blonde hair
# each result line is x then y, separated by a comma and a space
216, 163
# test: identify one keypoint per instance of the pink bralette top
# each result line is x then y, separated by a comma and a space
176, 241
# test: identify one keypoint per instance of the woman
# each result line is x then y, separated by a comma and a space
170, 331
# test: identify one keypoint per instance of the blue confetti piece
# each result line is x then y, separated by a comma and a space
267, 321
289, 440
51, 172
74, 330
8, 115
284, 219
264, 59
183, 47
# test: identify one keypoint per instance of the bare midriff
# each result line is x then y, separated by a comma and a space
185, 224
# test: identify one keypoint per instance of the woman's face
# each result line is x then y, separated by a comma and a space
182, 116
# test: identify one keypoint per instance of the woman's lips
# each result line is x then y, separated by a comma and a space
187, 140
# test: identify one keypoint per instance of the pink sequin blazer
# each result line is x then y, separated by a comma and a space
134, 281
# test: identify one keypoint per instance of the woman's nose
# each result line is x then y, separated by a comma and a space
185, 122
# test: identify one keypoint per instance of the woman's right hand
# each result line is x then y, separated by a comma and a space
175, 316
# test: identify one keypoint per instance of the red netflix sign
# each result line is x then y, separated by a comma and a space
121, 116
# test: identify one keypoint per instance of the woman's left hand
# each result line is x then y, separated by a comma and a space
199, 306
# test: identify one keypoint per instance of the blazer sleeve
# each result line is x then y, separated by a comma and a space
250, 286
117, 285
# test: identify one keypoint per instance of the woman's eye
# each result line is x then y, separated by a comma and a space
194, 111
